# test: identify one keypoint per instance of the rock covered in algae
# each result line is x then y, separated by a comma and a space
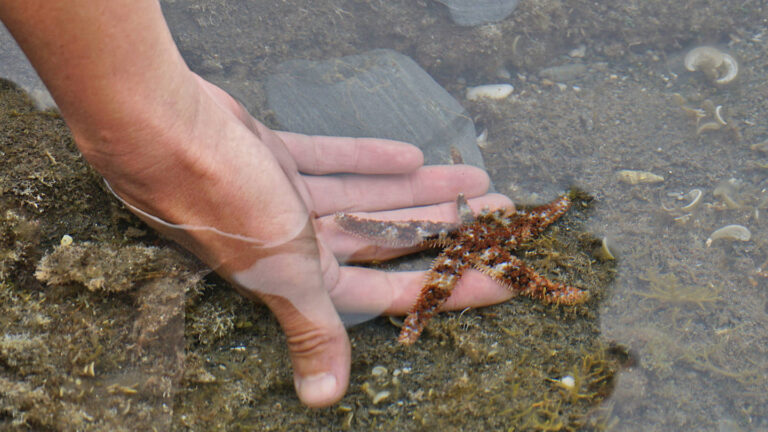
159, 278
106, 267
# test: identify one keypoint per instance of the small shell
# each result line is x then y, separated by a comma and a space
568, 382
89, 370
396, 321
721, 68
636, 177
692, 199
703, 58
344, 408
719, 115
730, 232
378, 371
66, 240
708, 126
482, 139
731, 68
605, 251
695, 196
381, 396
121, 389
490, 91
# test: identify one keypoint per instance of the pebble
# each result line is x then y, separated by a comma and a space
489, 91
563, 73
381, 396
378, 371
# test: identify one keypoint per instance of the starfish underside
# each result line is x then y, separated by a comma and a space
484, 242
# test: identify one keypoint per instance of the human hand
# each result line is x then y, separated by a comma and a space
257, 206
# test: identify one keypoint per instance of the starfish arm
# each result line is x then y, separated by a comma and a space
440, 280
465, 212
542, 216
394, 233
512, 273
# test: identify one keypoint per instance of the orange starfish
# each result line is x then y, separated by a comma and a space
484, 242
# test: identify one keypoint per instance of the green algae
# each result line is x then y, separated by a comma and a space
667, 290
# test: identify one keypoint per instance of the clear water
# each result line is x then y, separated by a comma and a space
694, 317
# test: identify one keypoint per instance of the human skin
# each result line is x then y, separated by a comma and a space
182, 150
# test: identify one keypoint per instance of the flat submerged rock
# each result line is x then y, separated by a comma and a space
380, 94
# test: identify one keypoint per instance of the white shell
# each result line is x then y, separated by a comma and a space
605, 251
482, 139
719, 115
379, 371
703, 56
731, 70
66, 240
730, 232
381, 396
695, 195
568, 382
720, 67
489, 91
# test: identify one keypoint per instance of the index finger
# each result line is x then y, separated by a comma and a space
326, 155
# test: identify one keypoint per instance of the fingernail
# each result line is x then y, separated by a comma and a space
316, 389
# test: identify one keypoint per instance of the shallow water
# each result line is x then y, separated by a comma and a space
677, 339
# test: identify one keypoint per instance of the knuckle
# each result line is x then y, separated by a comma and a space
310, 343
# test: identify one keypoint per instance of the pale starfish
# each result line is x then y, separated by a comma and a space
484, 242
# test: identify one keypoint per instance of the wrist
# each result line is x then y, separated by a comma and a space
189, 163
122, 133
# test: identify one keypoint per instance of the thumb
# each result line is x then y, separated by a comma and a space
319, 348
290, 280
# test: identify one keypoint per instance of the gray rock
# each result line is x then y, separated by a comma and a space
15, 67
475, 12
381, 94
